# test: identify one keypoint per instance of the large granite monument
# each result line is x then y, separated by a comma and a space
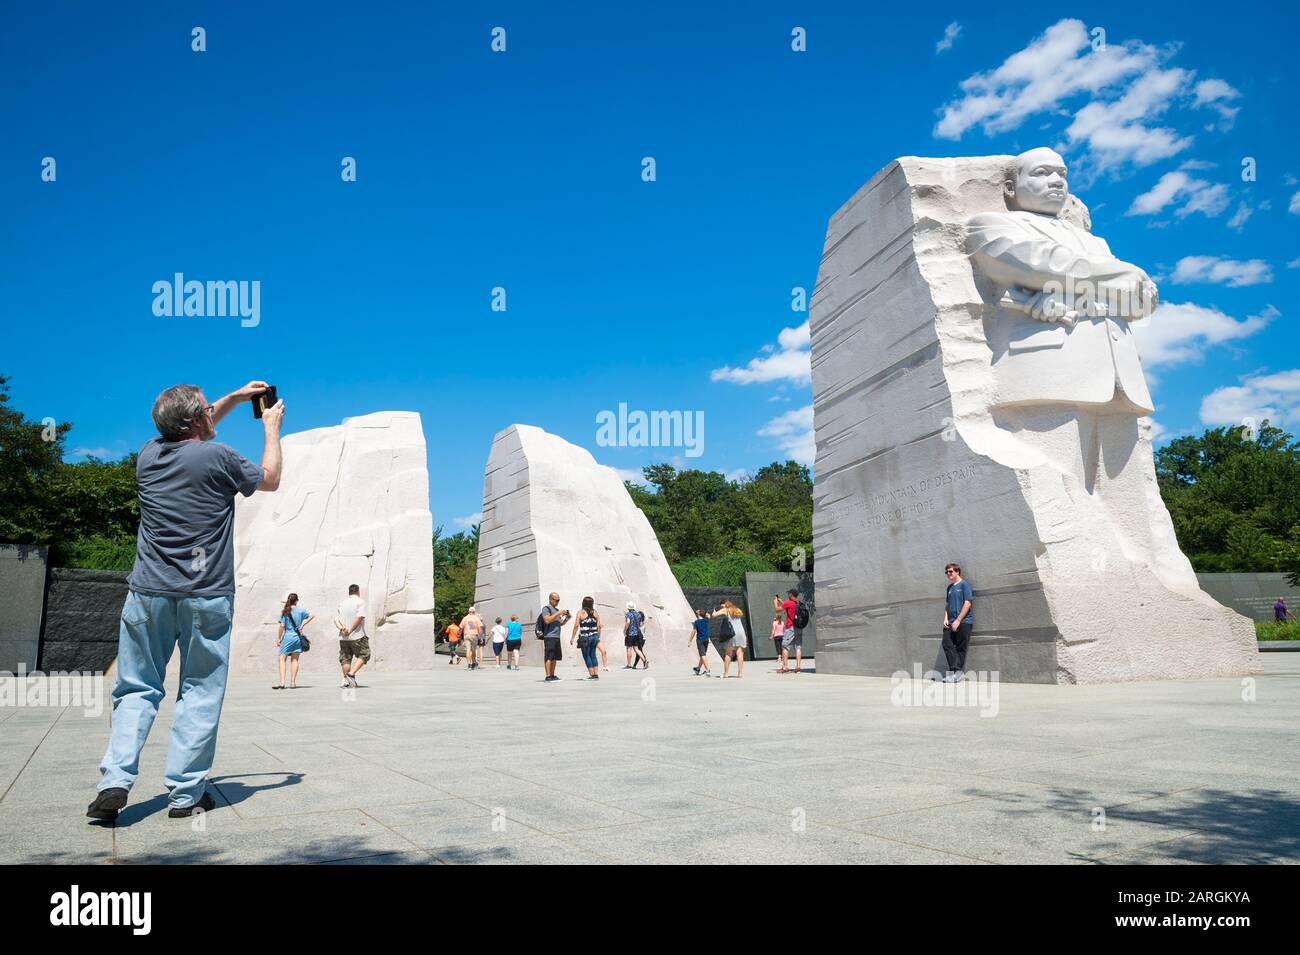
555, 520
979, 398
352, 508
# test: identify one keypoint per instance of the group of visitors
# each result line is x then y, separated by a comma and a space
586, 635
469, 637
349, 621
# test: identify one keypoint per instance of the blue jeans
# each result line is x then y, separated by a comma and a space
151, 628
589, 653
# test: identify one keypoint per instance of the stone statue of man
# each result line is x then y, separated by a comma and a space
1061, 334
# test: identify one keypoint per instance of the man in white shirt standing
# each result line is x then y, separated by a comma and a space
354, 650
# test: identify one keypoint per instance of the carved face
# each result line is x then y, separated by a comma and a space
1040, 184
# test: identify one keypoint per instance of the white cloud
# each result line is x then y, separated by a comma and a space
1274, 396
469, 520
1195, 195
1294, 207
1125, 84
93, 452
1293, 264
740, 475
1180, 333
1244, 212
1215, 94
793, 433
791, 361
1230, 272
950, 33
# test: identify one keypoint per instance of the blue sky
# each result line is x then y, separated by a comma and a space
523, 170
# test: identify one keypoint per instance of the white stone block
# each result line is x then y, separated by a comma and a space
555, 520
938, 441
352, 508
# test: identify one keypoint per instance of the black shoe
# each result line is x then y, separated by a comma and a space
695, 670
206, 803
108, 803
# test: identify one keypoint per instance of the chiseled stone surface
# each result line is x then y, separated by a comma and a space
555, 520
940, 437
352, 508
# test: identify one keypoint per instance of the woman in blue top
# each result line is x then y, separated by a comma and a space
289, 639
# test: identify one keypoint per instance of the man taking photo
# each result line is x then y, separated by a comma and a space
181, 592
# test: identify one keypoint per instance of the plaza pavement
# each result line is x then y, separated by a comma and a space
495, 766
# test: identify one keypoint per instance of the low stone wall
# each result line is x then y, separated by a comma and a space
1251, 595
82, 610
22, 591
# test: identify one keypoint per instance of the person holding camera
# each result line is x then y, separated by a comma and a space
553, 621
181, 591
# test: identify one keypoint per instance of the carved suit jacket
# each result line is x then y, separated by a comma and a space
1092, 363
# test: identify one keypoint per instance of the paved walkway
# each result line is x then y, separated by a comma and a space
495, 766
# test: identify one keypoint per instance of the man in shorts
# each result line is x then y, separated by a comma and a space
354, 650
553, 620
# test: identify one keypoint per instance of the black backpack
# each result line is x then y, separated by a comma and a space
727, 631
540, 629
801, 615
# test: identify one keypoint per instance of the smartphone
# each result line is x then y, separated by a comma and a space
263, 401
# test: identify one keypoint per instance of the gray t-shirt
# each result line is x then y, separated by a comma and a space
187, 517
555, 628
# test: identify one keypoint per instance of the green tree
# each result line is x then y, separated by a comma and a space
1232, 497
31, 455
455, 563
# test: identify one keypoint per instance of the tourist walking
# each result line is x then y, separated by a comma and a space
498, 641
473, 633
181, 590
586, 631
453, 642
289, 645
551, 623
732, 633
958, 619
1281, 613
354, 651
634, 637
792, 637
514, 641
700, 634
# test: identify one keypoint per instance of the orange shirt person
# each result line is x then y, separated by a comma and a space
453, 638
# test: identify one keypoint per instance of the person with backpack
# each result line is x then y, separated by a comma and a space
732, 633
796, 618
453, 642
586, 631
290, 641
634, 637
700, 634
549, 629
958, 619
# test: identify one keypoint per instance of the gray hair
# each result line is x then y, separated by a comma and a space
176, 410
